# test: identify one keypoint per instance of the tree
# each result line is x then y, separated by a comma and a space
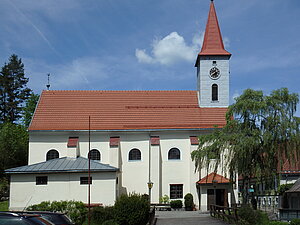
13, 146
260, 130
13, 90
29, 108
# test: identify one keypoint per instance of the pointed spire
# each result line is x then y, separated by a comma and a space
213, 42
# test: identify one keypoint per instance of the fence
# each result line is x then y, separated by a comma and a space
289, 214
228, 214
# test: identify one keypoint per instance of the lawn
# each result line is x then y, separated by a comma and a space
4, 206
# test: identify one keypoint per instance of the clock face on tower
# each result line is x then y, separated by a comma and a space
214, 73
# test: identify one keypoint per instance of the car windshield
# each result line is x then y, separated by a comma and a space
57, 218
13, 221
39, 221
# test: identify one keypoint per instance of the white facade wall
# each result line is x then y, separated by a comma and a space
205, 82
62, 186
133, 176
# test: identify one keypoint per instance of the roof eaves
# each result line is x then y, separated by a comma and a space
132, 130
60, 171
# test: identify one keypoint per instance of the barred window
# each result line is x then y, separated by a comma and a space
41, 180
174, 153
94, 154
52, 154
135, 154
176, 191
85, 180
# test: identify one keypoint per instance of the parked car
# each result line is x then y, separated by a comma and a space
56, 218
11, 218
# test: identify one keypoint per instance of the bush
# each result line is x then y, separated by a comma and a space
132, 210
4, 189
284, 187
110, 222
101, 214
278, 223
248, 216
188, 202
73, 209
176, 204
295, 222
164, 199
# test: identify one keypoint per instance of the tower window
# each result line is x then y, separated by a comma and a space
214, 63
214, 92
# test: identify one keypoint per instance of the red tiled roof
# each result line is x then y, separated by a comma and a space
290, 167
72, 142
123, 110
213, 178
213, 43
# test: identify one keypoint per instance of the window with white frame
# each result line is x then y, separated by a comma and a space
134, 154
52, 154
174, 153
94, 154
176, 191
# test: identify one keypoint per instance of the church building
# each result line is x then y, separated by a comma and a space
138, 141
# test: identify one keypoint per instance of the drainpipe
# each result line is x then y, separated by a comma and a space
150, 184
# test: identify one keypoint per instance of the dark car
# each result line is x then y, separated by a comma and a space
56, 218
10, 218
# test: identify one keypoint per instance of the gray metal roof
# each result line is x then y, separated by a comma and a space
63, 165
295, 187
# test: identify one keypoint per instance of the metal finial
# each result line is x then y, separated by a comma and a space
48, 85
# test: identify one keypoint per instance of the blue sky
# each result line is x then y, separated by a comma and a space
149, 45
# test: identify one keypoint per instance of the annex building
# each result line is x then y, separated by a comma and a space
135, 138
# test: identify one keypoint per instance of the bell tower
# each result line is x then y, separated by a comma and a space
213, 66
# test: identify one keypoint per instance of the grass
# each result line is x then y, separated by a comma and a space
4, 206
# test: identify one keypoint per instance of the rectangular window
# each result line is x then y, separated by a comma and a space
41, 180
176, 191
85, 180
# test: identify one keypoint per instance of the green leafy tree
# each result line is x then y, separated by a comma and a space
13, 146
13, 90
260, 131
132, 210
29, 108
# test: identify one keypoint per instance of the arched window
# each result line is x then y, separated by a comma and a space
214, 92
174, 153
95, 155
134, 154
52, 154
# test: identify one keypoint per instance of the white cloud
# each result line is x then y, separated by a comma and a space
235, 95
143, 57
226, 42
170, 49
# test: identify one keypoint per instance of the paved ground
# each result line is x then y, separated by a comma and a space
185, 218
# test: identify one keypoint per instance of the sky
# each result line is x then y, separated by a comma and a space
149, 44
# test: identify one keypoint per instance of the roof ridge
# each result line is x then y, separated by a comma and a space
119, 91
